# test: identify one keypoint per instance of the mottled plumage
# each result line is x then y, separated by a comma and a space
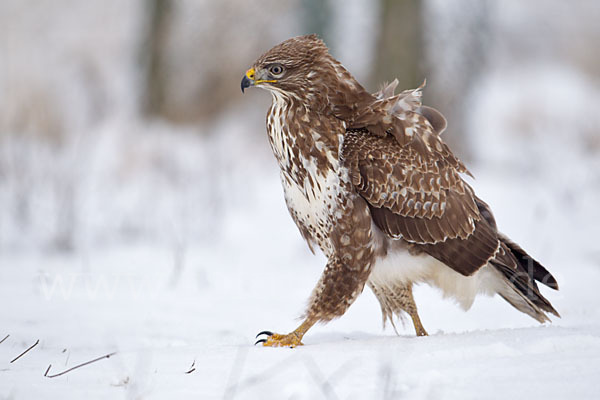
368, 180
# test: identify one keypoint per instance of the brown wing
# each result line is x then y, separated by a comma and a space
415, 192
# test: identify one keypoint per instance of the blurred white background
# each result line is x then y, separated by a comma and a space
123, 121
128, 153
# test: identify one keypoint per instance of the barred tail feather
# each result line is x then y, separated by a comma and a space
519, 273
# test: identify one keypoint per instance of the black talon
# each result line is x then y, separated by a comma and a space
268, 333
260, 341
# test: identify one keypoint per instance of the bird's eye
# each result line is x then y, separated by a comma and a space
276, 69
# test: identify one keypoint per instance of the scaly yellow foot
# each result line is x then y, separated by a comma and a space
276, 340
292, 339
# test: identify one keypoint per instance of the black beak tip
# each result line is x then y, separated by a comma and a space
245, 83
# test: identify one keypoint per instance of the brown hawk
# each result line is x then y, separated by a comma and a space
369, 181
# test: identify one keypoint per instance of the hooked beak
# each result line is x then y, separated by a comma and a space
248, 79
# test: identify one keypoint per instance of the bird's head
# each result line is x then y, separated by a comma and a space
289, 68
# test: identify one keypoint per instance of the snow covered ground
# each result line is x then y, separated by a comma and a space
162, 316
184, 251
172, 249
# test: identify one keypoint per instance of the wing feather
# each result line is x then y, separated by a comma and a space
416, 194
412, 181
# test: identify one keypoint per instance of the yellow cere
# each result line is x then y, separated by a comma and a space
251, 74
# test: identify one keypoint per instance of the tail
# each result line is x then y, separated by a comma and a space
519, 273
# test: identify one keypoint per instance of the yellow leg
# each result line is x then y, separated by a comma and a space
292, 339
410, 307
417, 323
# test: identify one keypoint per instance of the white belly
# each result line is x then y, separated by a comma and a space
314, 206
401, 267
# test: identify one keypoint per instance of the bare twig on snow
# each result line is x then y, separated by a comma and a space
77, 366
192, 368
23, 353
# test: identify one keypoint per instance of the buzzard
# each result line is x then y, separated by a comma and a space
368, 180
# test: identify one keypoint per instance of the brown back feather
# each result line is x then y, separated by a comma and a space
418, 195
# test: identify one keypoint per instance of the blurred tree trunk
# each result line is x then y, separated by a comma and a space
399, 46
457, 41
412, 37
194, 52
153, 49
317, 17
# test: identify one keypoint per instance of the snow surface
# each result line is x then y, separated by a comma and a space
160, 316
216, 259
174, 249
